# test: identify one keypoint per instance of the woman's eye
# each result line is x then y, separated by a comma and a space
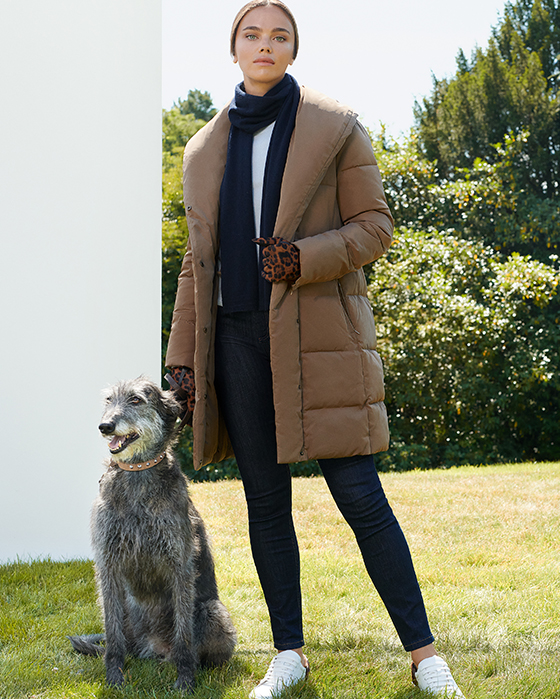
251, 37
281, 39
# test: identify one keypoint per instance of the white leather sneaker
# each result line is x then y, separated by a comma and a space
433, 676
285, 669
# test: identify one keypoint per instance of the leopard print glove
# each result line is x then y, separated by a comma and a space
183, 385
280, 259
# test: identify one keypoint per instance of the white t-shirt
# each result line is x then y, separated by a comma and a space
261, 142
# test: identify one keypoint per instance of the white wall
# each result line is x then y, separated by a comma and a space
80, 193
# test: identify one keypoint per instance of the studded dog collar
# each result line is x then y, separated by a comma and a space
125, 466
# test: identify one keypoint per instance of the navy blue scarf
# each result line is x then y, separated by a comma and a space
243, 287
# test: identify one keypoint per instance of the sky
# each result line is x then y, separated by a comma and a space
376, 57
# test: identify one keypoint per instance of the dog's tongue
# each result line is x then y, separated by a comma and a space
115, 442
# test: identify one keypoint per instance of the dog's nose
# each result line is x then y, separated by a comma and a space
107, 428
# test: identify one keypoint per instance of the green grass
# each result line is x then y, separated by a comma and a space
485, 545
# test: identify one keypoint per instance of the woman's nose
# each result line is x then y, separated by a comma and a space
265, 47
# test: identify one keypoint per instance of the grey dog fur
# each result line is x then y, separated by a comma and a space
154, 568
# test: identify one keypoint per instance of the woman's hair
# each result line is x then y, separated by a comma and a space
253, 4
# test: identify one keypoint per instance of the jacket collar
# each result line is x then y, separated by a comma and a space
322, 126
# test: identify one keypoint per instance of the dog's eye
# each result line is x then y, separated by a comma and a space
135, 399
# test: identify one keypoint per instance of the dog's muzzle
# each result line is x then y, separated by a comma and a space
118, 442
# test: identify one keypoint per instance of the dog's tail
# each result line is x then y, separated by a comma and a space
88, 644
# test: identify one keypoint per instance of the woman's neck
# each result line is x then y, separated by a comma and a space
258, 89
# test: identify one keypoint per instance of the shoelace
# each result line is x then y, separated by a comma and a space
435, 675
439, 678
279, 669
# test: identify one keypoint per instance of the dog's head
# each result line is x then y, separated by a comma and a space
139, 419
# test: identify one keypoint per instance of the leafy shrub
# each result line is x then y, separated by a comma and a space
403, 457
467, 341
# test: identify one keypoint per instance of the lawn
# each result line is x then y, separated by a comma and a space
485, 545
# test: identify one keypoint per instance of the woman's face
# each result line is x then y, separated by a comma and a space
264, 48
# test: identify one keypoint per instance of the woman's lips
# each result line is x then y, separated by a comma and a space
264, 61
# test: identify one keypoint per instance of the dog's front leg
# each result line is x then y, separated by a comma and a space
112, 595
183, 651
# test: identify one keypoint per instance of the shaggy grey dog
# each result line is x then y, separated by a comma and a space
154, 568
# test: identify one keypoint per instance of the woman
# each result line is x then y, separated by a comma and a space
273, 339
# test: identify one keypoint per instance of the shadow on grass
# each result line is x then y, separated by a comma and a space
148, 678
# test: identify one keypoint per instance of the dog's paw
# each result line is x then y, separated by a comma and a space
185, 683
115, 678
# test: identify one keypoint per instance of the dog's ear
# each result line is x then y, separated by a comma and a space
170, 404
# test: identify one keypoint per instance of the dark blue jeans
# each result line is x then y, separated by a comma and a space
244, 388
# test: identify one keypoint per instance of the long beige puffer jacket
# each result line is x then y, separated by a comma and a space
327, 375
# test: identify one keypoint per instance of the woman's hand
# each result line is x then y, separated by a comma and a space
280, 259
181, 381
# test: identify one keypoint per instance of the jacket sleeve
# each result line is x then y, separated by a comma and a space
180, 350
367, 227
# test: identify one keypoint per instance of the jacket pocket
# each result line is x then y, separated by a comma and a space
344, 304
283, 297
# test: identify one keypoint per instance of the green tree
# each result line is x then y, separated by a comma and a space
508, 89
177, 129
537, 22
199, 104
486, 202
